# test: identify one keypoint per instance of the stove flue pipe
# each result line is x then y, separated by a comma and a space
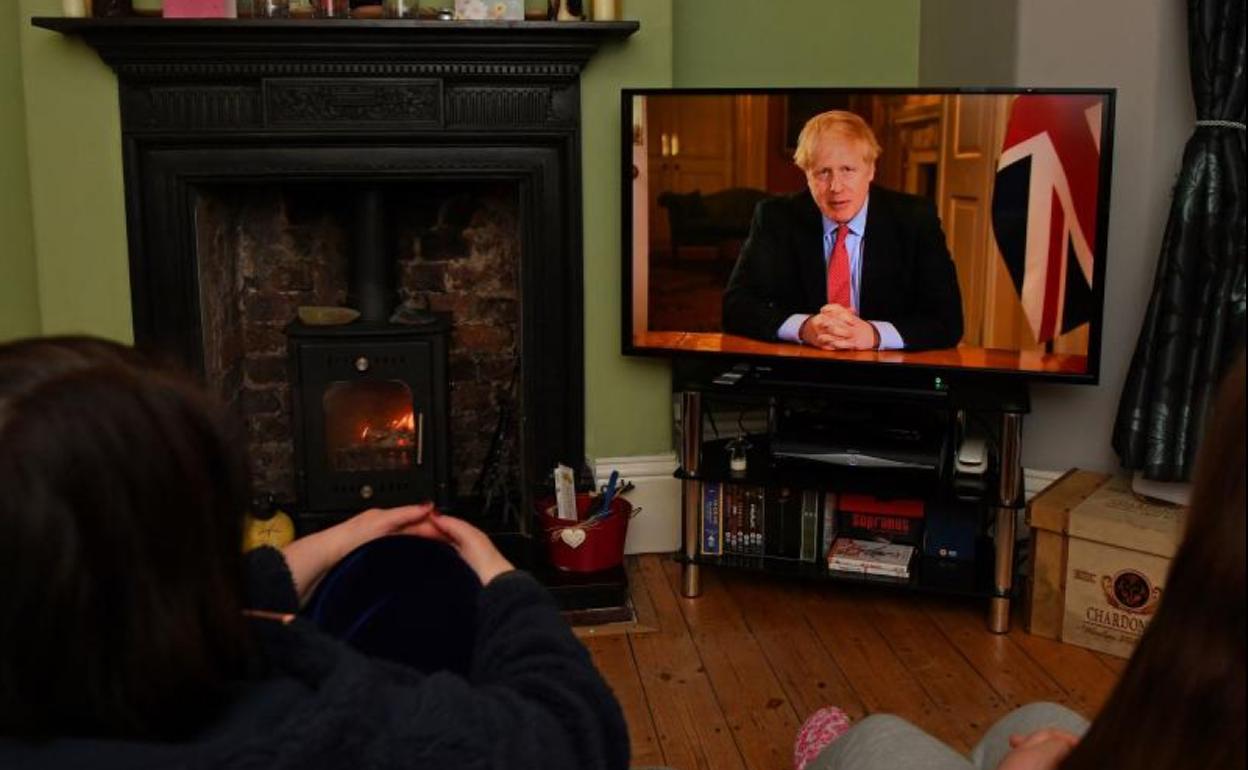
372, 288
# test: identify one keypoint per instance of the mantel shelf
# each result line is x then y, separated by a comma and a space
134, 40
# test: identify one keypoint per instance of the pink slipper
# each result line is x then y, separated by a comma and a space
824, 726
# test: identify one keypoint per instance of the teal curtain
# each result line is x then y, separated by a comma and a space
1194, 327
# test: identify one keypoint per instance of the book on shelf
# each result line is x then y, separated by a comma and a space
754, 526
866, 517
780, 523
864, 556
829, 522
775, 522
712, 519
733, 507
809, 526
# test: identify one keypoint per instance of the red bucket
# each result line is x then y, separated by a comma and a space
583, 547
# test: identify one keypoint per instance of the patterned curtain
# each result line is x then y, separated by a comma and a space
1194, 328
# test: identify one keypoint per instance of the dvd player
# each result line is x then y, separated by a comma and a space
874, 457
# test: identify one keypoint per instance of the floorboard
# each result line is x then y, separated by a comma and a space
808, 673
723, 682
691, 727
968, 701
614, 657
996, 657
746, 687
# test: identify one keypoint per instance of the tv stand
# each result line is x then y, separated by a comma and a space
999, 408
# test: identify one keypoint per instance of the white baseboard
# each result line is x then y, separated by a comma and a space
656, 527
1035, 480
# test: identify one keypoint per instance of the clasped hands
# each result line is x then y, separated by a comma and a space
310, 557
836, 327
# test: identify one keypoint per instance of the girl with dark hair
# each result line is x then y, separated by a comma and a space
1181, 701
134, 633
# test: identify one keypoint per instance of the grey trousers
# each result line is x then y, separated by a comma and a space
885, 742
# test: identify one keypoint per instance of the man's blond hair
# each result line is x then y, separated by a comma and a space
838, 123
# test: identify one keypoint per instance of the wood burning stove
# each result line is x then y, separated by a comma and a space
370, 414
370, 397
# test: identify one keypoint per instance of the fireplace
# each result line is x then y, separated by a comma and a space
212, 106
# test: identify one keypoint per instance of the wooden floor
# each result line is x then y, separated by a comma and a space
726, 679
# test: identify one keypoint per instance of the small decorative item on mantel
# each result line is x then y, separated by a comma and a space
401, 9
262, 9
200, 9
76, 9
489, 10
331, 9
567, 10
367, 9
606, 10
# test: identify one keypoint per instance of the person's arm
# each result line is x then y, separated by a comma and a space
933, 318
751, 302
311, 556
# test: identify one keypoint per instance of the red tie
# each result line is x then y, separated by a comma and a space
838, 271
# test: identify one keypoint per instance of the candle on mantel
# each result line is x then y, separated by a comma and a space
606, 10
74, 8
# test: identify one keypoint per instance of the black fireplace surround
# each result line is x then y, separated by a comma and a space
206, 102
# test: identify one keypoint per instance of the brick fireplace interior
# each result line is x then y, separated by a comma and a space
453, 248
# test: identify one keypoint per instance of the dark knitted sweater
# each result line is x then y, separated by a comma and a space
533, 700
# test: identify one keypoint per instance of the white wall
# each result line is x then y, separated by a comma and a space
968, 42
1140, 48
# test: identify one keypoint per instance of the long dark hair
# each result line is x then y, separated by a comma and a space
1180, 703
121, 501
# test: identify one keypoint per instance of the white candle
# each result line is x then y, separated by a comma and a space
74, 8
606, 10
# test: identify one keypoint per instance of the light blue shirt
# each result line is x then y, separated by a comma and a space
890, 338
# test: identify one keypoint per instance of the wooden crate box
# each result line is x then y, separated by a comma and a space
1101, 558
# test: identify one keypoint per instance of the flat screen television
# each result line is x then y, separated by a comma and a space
968, 238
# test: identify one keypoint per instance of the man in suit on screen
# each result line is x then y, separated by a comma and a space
845, 265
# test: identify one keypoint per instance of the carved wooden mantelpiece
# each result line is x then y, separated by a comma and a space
251, 101
343, 75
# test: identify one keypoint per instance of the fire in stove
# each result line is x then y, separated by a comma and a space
383, 445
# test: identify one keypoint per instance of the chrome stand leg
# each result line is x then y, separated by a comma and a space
691, 490
1010, 499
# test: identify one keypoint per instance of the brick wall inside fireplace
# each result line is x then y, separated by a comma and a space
263, 250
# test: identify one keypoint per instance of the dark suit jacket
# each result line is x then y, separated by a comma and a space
908, 277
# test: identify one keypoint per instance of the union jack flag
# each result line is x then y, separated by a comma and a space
1044, 207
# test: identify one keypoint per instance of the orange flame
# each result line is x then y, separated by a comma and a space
405, 423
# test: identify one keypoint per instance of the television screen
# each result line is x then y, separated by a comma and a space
949, 230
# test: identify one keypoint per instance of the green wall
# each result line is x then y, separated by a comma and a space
19, 290
626, 399
74, 137
76, 178
795, 42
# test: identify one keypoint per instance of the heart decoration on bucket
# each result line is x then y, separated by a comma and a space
572, 536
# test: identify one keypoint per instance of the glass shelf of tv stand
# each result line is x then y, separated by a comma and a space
928, 574
764, 469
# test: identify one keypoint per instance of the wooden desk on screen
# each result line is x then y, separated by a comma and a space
962, 356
